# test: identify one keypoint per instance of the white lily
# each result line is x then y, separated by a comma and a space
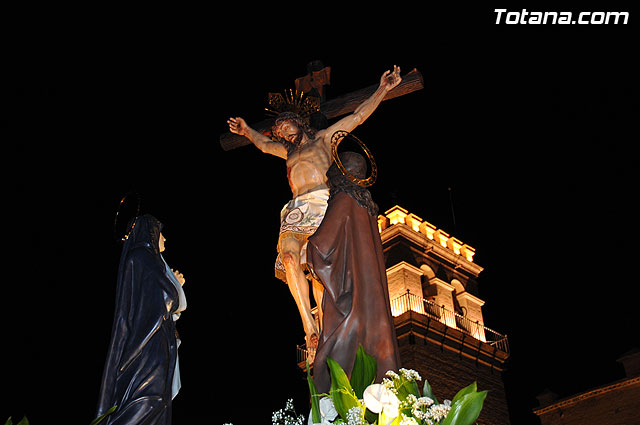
381, 400
328, 412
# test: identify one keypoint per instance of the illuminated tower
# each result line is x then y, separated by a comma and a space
437, 312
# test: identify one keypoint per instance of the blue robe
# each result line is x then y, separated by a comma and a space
141, 360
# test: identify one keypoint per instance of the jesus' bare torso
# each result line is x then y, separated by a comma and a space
308, 164
308, 159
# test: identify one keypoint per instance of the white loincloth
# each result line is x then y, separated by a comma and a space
300, 218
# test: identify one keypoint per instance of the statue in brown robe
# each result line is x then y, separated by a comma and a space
345, 254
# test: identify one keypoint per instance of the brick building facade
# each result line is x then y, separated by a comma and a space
613, 403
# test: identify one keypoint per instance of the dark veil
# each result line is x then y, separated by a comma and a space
142, 231
142, 353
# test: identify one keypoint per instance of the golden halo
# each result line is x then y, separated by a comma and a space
336, 139
293, 101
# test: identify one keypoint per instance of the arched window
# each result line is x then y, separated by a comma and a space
427, 275
427, 272
458, 286
461, 321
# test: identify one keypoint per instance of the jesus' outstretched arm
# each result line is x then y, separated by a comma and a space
388, 81
238, 126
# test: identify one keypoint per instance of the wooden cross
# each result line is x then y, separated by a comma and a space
313, 83
333, 108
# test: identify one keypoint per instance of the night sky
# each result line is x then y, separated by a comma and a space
525, 130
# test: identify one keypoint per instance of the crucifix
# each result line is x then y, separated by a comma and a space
307, 152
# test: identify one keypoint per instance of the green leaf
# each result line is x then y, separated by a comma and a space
315, 402
427, 392
370, 417
466, 409
100, 418
341, 392
338, 376
405, 387
472, 388
365, 369
24, 421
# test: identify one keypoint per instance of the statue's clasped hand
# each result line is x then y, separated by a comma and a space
178, 276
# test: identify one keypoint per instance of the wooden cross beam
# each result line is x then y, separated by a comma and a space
333, 108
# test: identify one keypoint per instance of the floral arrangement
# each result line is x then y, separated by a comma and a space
287, 416
396, 401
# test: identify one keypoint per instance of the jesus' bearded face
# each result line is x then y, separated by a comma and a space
290, 132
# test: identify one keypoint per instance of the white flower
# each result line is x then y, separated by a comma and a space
377, 397
388, 384
391, 374
381, 400
439, 411
287, 416
410, 401
354, 416
410, 374
419, 406
408, 420
289, 405
327, 409
328, 412
427, 401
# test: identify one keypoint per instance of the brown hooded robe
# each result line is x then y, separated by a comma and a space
346, 256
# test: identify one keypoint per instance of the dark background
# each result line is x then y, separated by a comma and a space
529, 126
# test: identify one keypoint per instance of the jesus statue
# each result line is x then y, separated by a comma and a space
307, 152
